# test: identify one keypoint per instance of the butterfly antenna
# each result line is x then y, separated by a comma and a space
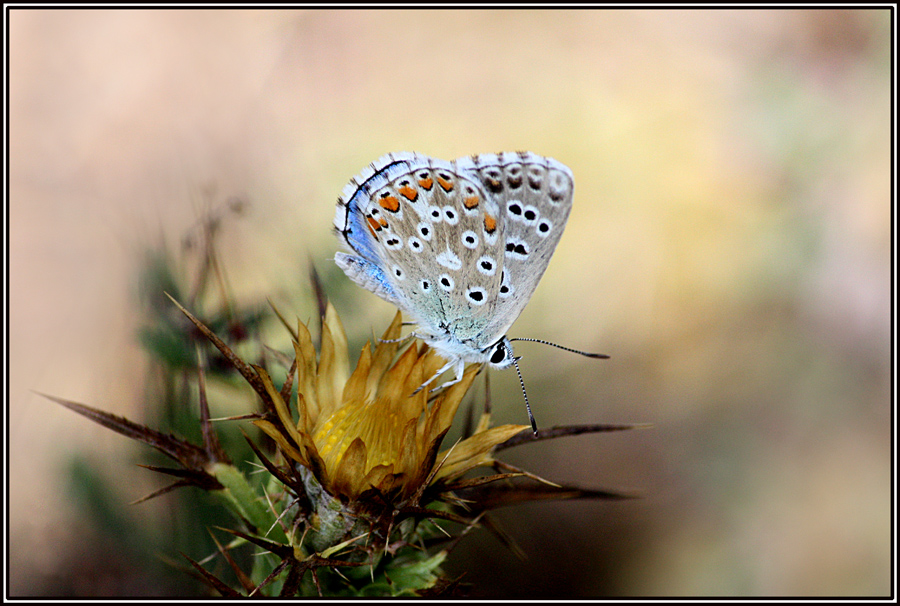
583, 353
527, 406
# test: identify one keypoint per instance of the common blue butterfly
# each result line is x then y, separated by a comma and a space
458, 246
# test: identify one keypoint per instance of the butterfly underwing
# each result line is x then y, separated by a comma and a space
458, 246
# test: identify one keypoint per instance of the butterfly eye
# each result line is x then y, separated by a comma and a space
499, 354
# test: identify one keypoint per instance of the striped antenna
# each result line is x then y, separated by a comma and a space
583, 353
527, 406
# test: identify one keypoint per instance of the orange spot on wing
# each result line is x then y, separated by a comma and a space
409, 193
383, 222
389, 203
471, 202
373, 226
426, 183
490, 224
445, 185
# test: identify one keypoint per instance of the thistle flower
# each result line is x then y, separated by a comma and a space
358, 475
371, 441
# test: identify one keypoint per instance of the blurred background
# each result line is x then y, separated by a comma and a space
729, 248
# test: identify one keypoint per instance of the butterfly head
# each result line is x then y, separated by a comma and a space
500, 354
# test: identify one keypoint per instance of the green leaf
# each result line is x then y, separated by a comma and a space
246, 502
408, 576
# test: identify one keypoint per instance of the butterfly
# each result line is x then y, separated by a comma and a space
458, 246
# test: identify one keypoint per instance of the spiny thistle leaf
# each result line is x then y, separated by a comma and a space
425, 513
210, 437
242, 367
492, 496
321, 297
189, 477
282, 319
294, 484
415, 575
242, 496
526, 436
442, 588
272, 575
245, 581
221, 586
469, 483
288, 382
294, 578
279, 549
491, 525
189, 455
162, 491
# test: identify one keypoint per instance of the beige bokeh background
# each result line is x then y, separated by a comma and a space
729, 247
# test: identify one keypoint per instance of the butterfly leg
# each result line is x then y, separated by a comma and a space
459, 366
400, 340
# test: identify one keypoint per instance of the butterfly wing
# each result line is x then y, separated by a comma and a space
534, 194
428, 239
459, 246
356, 227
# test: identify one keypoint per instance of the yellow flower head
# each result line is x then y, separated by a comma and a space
372, 437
